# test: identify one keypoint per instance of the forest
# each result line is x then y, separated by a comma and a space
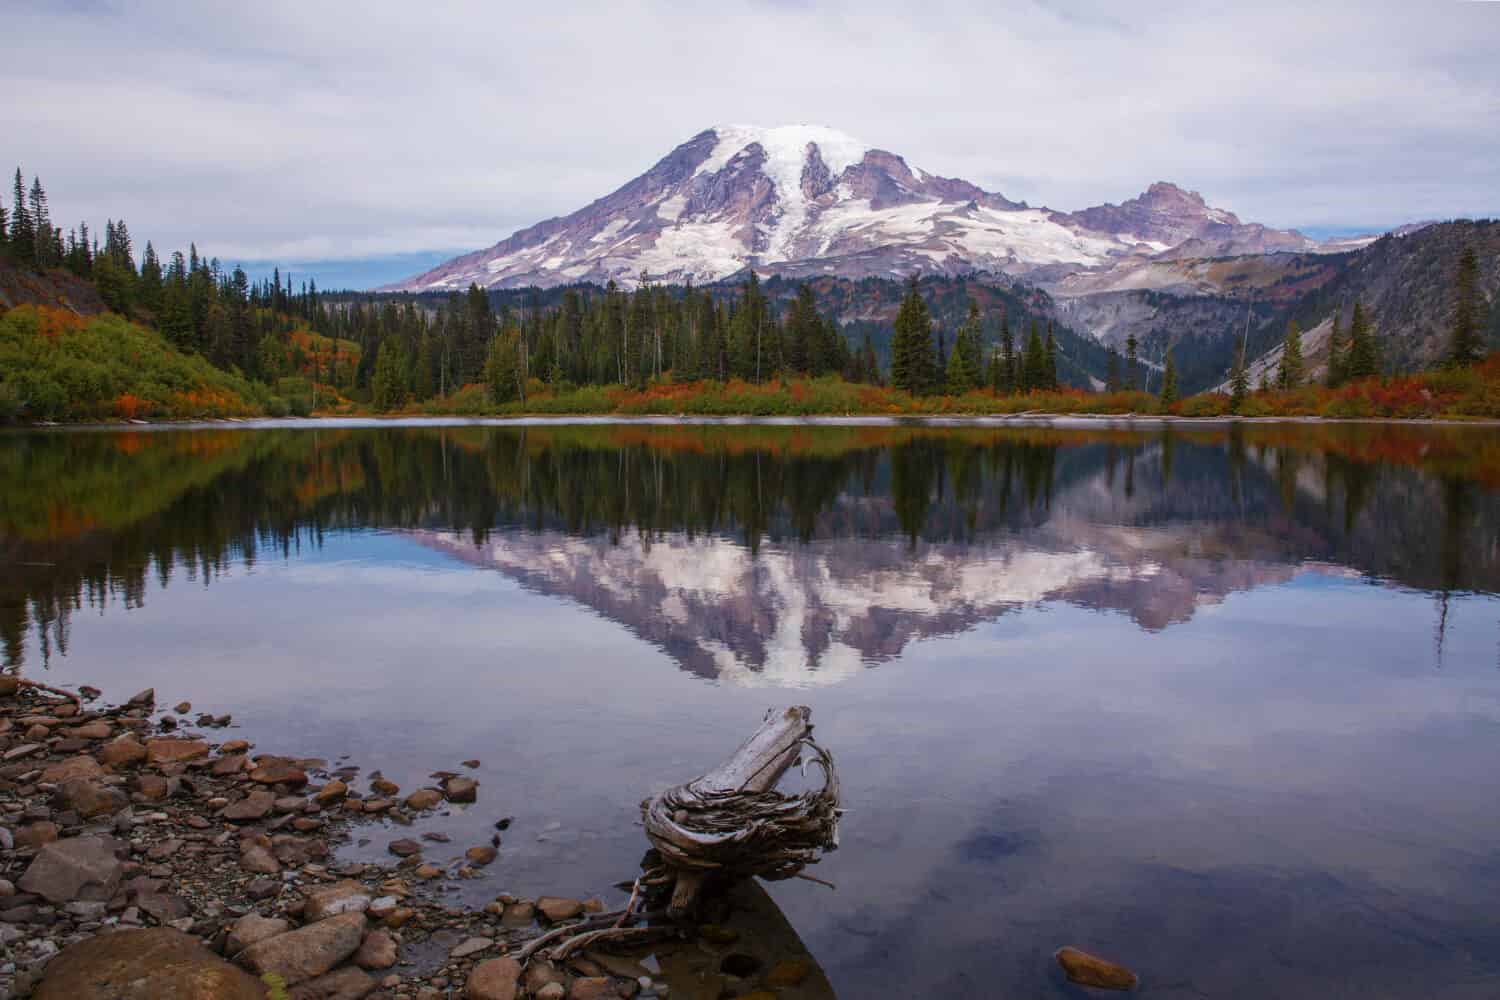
97, 330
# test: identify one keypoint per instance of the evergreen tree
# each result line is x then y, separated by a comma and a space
1467, 342
1169, 381
911, 346
150, 287
1265, 381
41, 226
1034, 363
869, 363
22, 233
1239, 380
502, 367
1338, 353
1130, 363
963, 365
388, 384
1289, 373
1009, 364
1050, 361
1364, 353
1112, 372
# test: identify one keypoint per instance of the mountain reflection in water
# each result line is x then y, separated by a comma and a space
768, 555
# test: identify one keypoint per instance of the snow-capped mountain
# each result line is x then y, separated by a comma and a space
806, 200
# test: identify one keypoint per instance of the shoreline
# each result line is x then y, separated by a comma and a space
1026, 419
132, 817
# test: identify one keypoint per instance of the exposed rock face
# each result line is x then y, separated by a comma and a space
76, 868
808, 200
156, 964
308, 952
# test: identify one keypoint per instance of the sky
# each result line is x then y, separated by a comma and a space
364, 142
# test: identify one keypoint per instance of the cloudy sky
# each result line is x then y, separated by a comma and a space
376, 137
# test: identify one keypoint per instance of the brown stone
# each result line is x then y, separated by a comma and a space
81, 766
89, 798
555, 908
428, 871
228, 765
278, 771
481, 856
1091, 970
253, 928
167, 750
252, 807
307, 952
461, 789
423, 798
593, 988
76, 868
381, 786
127, 751
404, 848
153, 787
235, 746
34, 835
493, 979
788, 972
331, 792
347, 983
377, 952
92, 731
258, 858
155, 964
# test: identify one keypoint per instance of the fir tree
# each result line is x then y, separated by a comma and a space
1112, 372
911, 346
1130, 363
1265, 381
1049, 373
1009, 365
1338, 353
1466, 345
1364, 353
869, 365
1169, 381
1289, 372
41, 226
22, 234
963, 365
1239, 380
1034, 363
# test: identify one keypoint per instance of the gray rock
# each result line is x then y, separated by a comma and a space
472, 946
77, 868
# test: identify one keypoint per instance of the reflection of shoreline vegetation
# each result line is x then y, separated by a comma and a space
88, 517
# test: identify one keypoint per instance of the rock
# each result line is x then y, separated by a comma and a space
258, 858
593, 988
168, 750
436, 836
37, 732
92, 731
183, 707
157, 964
331, 792
404, 848
788, 972
253, 928
146, 699
555, 908
480, 855
77, 868
540, 973
552, 991
127, 751
307, 952
228, 765
164, 850
164, 907
74, 767
153, 787
493, 979
262, 888
460, 789
380, 786
423, 799
88, 798
1090, 970
428, 871
377, 952
278, 771
329, 901
24, 750
252, 807
347, 983
235, 746
34, 835
471, 763
518, 914
472, 946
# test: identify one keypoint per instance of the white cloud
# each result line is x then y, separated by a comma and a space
282, 129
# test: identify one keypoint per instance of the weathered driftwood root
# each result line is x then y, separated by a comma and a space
10, 685
732, 823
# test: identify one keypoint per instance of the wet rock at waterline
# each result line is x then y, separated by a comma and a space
1090, 970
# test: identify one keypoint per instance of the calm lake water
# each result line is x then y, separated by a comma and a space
1220, 703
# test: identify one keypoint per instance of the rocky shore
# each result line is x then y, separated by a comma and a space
142, 855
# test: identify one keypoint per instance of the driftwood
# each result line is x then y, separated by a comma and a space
732, 823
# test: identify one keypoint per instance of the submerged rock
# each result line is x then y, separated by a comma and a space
1091, 970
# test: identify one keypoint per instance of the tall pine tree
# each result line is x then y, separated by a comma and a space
912, 363
1289, 372
1466, 345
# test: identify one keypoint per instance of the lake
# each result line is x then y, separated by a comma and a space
1221, 703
